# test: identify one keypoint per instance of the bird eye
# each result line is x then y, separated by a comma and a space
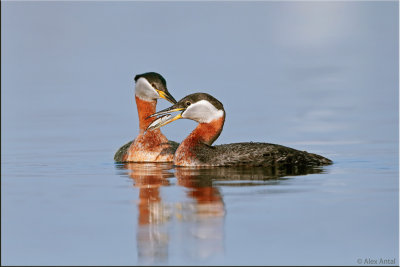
188, 103
154, 85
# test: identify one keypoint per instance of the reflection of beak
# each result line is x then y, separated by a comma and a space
167, 96
164, 117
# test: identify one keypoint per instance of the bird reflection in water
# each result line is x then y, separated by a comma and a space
194, 225
153, 214
203, 217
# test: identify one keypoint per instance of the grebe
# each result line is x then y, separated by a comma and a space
150, 146
196, 149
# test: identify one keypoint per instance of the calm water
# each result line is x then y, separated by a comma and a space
321, 77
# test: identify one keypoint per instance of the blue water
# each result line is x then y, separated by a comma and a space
315, 76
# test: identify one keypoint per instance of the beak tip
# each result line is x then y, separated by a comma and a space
171, 99
167, 96
152, 115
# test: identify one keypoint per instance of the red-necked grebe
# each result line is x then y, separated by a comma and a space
150, 146
196, 149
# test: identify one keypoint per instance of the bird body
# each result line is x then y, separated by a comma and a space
148, 146
197, 149
246, 154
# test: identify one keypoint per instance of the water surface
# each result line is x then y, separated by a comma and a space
315, 76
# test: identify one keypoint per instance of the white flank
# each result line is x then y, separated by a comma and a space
202, 112
145, 91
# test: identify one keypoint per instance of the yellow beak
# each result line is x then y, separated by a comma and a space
167, 96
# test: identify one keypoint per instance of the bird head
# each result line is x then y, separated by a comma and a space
200, 107
151, 86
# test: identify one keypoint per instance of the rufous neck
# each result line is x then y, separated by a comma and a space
207, 133
145, 109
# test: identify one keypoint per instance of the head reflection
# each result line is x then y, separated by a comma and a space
203, 216
152, 233
191, 228
194, 225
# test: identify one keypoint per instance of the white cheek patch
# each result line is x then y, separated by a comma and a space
202, 112
145, 91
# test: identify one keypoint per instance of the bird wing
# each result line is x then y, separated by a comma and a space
259, 154
118, 157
